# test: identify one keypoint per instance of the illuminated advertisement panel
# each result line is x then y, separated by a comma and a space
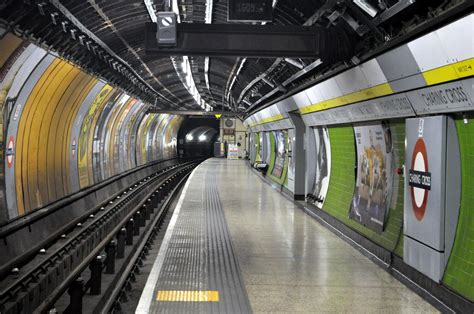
280, 153
371, 200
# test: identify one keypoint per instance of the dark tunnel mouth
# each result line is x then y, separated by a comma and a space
201, 134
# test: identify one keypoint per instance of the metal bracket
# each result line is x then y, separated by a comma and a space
392, 11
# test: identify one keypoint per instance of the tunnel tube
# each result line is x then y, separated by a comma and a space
65, 130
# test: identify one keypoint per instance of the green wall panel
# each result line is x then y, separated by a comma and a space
342, 180
342, 183
459, 274
258, 158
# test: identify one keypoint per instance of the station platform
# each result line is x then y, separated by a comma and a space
236, 245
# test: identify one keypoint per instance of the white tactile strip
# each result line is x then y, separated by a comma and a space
197, 255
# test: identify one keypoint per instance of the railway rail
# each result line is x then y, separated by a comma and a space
99, 241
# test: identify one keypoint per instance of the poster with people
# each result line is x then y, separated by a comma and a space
323, 166
280, 153
371, 200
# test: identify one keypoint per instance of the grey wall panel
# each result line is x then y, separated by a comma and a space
398, 63
274, 126
134, 138
286, 105
98, 162
432, 193
76, 129
14, 122
453, 187
310, 146
125, 162
149, 137
424, 210
408, 83
252, 147
395, 106
298, 160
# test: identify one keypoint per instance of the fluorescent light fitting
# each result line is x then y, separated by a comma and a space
175, 8
366, 7
206, 72
208, 18
151, 10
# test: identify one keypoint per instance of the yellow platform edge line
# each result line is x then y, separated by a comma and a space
187, 296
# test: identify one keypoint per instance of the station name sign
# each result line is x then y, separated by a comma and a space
419, 179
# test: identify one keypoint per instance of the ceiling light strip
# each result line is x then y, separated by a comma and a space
151, 10
175, 8
209, 9
191, 85
208, 20
206, 73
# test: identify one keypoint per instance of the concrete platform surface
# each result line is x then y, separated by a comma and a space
237, 245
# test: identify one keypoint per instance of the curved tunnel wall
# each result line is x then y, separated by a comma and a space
435, 83
64, 130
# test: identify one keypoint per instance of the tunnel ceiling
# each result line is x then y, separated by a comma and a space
107, 38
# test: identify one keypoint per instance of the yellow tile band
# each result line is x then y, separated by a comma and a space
365, 94
450, 72
187, 296
268, 120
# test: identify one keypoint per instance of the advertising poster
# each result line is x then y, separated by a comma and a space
371, 199
232, 151
266, 147
323, 165
280, 153
291, 161
260, 147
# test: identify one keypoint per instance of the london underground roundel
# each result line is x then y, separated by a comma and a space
10, 151
419, 179
73, 147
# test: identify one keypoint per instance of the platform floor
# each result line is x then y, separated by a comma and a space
236, 245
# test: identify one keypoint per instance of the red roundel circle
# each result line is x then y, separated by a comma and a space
419, 162
10, 151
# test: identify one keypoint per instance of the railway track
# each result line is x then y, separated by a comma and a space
121, 290
108, 236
